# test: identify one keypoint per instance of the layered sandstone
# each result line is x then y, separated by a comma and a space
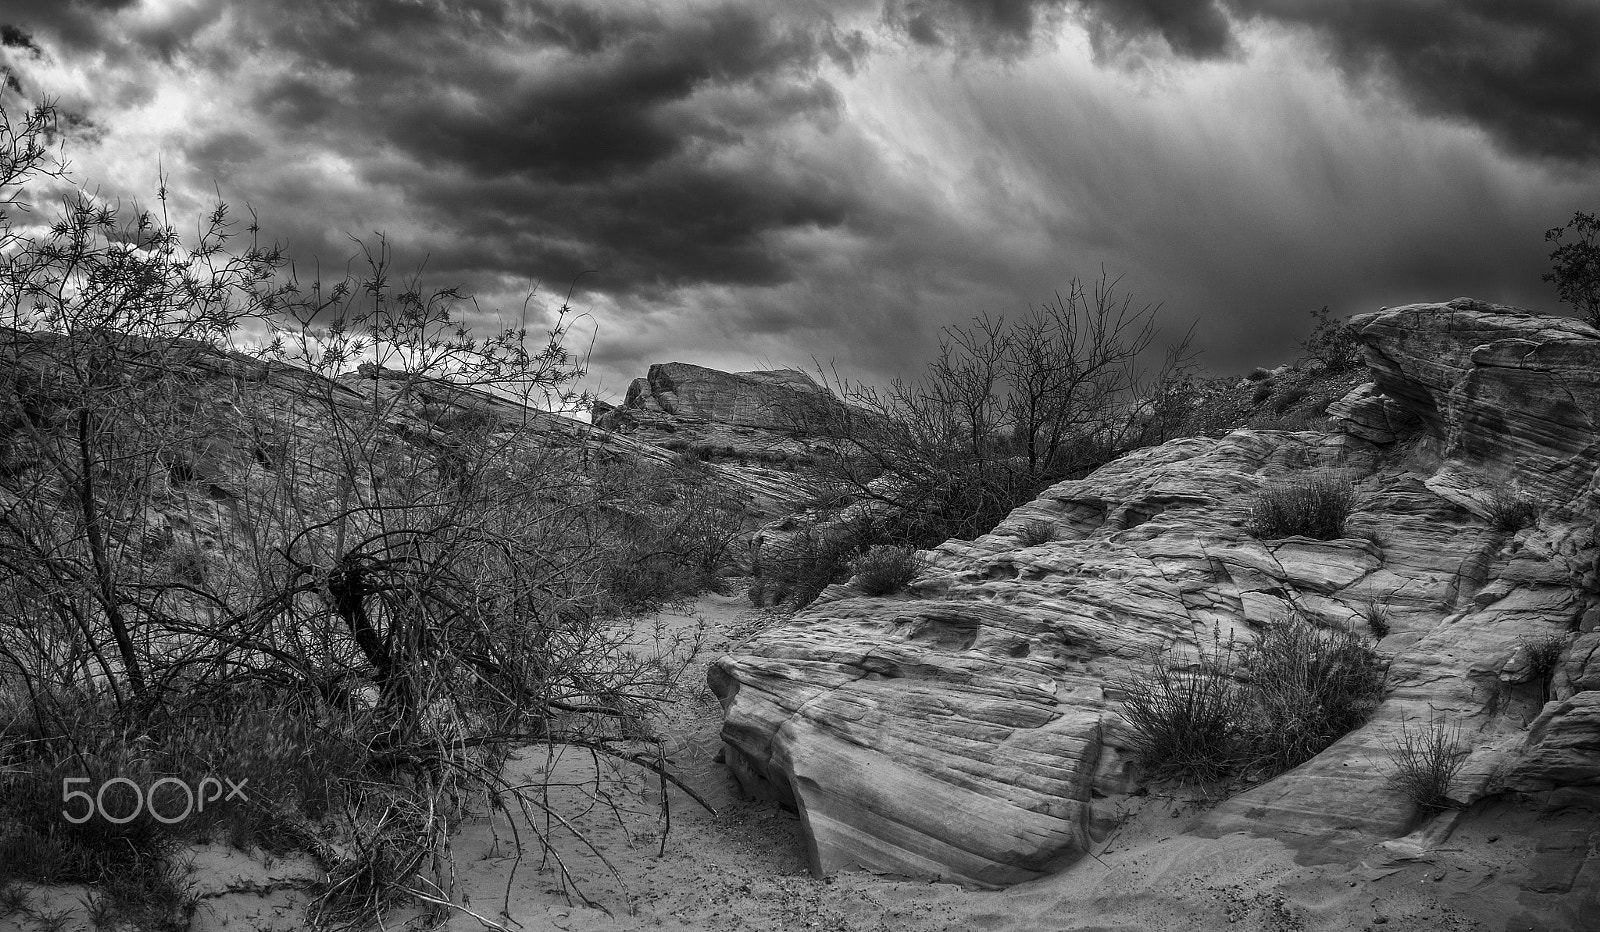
969, 729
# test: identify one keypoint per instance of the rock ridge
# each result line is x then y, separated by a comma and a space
969, 729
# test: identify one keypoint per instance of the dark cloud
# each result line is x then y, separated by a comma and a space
1526, 71
93, 25
1194, 28
545, 138
14, 38
73, 23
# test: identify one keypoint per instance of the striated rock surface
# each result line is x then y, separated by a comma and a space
969, 729
1512, 394
768, 417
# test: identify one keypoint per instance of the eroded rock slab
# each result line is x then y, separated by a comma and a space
966, 729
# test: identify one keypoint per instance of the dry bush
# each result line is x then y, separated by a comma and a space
1315, 506
410, 596
1037, 532
1185, 721
1425, 763
1509, 511
1308, 686
884, 569
1006, 409
1253, 712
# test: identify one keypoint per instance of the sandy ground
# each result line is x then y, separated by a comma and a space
1496, 867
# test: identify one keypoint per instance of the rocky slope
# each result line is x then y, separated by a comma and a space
969, 728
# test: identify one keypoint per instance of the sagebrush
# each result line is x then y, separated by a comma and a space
1253, 711
886, 568
1425, 762
1314, 506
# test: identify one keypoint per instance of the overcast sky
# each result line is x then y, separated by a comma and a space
763, 183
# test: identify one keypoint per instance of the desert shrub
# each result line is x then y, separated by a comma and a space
1307, 686
1575, 265
1376, 615
1425, 762
1510, 511
1290, 397
1543, 653
1258, 373
467, 591
1254, 711
1008, 407
1334, 343
1036, 532
1185, 721
809, 562
1315, 506
884, 569
1260, 394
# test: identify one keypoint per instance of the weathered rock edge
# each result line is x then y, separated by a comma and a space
965, 729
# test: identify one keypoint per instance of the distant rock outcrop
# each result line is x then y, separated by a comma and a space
775, 416
970, 728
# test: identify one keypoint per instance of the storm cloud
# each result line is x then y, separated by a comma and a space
740, 184
1525, 71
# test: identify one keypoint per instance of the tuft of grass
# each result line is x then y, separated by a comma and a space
1376, 615
1036, 532
1509, 511
1308, 686
1426, 762
1255, 712
884, 569
1185, 721
1316, 507
1544, 653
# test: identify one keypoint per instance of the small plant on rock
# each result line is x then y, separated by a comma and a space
1037, 532
1256, 712
1333, 342
1309, 685
1575, 265
1510, 511
1185, 720
1314, 507
884, 569
1425, 762
1376, 615
1544, 653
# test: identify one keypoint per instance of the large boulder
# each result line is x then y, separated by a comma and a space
969, 729
1510, 393
776, 416
777, 399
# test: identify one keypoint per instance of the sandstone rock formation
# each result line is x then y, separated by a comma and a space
969, 729
772, 416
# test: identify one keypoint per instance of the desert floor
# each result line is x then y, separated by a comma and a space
1491, 868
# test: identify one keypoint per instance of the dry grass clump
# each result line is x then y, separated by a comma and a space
1256, 711
1036, 532
1308, 686
1315, 506
884, 569
1425, 762
1376, 615
1509, 511
1186, 720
